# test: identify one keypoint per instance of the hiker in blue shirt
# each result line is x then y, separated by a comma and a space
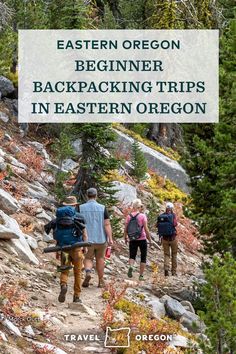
99, 234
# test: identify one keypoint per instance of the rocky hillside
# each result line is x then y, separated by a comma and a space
31, 319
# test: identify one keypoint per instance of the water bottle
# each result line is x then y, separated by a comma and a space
108, 252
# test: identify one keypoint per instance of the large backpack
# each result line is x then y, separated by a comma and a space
134, 230
67, 231
165, 225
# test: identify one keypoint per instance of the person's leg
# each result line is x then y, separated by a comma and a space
77, 261
88, 265
143, 250
166, 249
65, 259
174, 251
133, 249
100, 251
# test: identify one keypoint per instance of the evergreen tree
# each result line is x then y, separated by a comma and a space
138, 161
218, 296
95, 161
211, 161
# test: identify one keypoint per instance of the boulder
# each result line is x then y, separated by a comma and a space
174, 309
4, 117
8, 227
77, 146
31, 242
188, 306
180, 341
3, 166
69, 165
18, 244
12, 328
6, 86
124, 192
7, 203
192, 322
158, 308
156, 161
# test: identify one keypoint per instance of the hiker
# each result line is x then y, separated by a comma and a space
166, 224
99, 234
68, 229
136, 234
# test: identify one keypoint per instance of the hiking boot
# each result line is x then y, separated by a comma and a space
101, 283
86, 281
141, 277
62, 295
166, 273
130, 272
76, 299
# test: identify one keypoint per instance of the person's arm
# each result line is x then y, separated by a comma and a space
108, 231
145, 226
85, 239
125, 233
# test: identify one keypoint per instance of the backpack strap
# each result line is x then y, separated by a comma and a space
133, 216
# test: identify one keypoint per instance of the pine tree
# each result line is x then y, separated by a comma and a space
211, 160
138, 161
96, 161
218, 296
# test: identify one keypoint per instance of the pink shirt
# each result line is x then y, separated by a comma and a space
141, 220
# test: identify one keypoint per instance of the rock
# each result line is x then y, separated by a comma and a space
125, 193
174, 309
11, 230
192, 322
3, 336
12, 328
156, 161
38, 314
6, 86
15, 162
164, 298
44, 216
77, 146
188, 306
29, 330
158, 308
93, 350
48, 238
180, 341
69, 165
49, 347
37, 191
56, 321
3, 166
80, 307
4, 117
31, 242
7, 203
8, 227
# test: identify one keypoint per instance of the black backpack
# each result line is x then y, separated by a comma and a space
134, 230
165, 225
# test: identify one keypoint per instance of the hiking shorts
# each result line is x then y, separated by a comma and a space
133, 249
96, 250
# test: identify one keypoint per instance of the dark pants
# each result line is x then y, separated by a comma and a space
133, 249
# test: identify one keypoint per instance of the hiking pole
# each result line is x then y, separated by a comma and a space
67, 247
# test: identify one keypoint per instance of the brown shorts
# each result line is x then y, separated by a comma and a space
96, 250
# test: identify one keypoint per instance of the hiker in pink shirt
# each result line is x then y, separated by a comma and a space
136, 234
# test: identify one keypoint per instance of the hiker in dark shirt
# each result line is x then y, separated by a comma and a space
68, 229
166, 224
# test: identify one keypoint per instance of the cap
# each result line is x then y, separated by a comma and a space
92, 192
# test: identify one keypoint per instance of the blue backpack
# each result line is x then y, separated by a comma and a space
165, 225
66, 232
